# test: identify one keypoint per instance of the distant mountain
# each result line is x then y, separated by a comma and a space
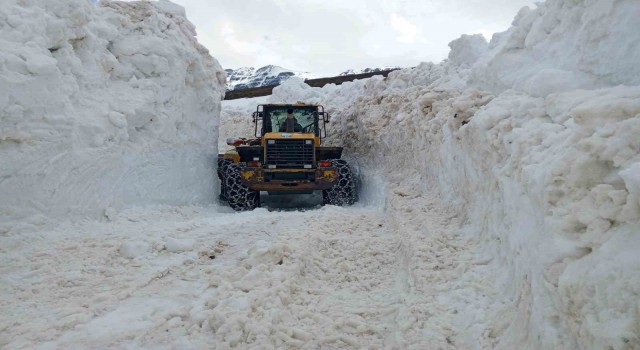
249, 77
366, 70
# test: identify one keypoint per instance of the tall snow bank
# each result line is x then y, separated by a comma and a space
533, 140
564, 45
102, 107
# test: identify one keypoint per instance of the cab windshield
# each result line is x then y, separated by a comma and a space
304, 119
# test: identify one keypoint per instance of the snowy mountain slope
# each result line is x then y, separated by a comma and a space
249, 77
103, 107
366, 70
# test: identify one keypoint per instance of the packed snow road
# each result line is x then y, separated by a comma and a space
191, 277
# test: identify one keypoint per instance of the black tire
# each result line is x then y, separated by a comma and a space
239, 196
222, 165
344, 191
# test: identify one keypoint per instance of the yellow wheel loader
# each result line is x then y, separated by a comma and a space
285, 156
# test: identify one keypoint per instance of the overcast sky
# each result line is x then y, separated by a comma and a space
326, 37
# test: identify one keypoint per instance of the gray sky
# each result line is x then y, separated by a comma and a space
326, 37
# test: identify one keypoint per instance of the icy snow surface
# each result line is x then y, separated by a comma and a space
499, 208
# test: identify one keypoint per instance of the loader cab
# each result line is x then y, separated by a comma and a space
310, 119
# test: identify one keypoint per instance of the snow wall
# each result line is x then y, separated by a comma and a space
533, 139
103, 106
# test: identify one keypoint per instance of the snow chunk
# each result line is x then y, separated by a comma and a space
466, 50
631, 177
118, 120
269, 255
550, 81
171, 8
134, 249
110, 213
175, 245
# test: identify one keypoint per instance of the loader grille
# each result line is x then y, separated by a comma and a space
289, 153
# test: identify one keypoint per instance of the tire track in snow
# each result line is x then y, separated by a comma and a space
420, 320
447, 291
308, 288
351, 271
354, 278
332, 278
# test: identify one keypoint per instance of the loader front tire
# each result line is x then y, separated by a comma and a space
239, 196
222, 163
222, 166
344, 191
